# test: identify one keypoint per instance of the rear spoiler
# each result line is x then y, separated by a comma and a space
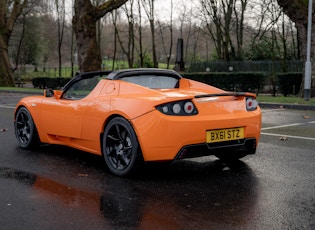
235, 94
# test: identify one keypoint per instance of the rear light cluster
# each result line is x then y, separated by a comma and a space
178, 108
251, 104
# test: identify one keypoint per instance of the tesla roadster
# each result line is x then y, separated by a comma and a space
135, 115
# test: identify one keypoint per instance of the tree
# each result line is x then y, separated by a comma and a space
148, 6
61, 15
9, 12
297, 11
239, 28
32, 41
218, 17
141, 53
129, 50
162, 27
34, 45
84, 25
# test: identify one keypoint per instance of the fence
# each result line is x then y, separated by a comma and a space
28, 72
247, 66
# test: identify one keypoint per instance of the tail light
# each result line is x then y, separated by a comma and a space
178, 108
251, 104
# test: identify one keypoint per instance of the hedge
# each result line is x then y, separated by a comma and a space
47, 82
232, 81
289, 83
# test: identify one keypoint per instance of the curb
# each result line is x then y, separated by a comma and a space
286, 106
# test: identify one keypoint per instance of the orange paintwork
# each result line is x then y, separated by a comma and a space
80, 123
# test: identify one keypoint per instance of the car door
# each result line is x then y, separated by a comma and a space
64, 116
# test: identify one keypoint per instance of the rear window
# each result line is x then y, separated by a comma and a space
153, 81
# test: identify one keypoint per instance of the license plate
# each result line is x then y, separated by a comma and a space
219, 135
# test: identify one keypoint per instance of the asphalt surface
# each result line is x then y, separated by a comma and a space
55, 187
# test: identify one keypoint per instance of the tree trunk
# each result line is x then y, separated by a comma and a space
297, 11
155, 61
60, 8
7, 21
5, 67
84, 26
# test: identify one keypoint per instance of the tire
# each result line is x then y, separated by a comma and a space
121, 149
25, 129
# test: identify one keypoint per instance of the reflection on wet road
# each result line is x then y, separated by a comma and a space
55, 187
174, 198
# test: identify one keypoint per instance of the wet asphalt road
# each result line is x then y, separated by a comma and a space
56, 187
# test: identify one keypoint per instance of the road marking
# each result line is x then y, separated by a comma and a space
271, 110
289, 125
7, 106
283, 135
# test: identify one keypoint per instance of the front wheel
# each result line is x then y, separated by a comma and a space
120, 147
25, 129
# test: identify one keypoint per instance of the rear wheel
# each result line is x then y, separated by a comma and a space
120, 147
25, 129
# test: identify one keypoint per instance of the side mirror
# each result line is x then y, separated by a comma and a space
58, 93
52, 93
48, 93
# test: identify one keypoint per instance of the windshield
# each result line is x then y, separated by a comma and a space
82, 87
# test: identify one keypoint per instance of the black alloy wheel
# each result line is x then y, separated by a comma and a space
120, 147
25, 129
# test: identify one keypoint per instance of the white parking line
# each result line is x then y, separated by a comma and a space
284, 135
7, 106
271, 110
289, 136
282, 126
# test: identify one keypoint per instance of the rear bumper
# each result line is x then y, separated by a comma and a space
165, 138
198, 150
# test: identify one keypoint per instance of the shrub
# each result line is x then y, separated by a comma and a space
232, 81
289, 83
46, 82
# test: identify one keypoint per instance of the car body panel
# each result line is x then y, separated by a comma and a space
80, 123
171, 135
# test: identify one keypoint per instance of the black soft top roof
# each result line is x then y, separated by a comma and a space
115, 75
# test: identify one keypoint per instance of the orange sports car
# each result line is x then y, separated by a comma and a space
136, 115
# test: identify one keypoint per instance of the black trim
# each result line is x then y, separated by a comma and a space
236, 94
115, 75
198, 150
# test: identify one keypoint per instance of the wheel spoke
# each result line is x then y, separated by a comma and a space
120, 133
125, 160
24, 118
21, 127
112, 138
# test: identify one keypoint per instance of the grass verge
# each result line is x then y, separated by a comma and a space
21, 90
285, 100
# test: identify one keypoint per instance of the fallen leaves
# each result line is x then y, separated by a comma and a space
283, 138
83, 175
